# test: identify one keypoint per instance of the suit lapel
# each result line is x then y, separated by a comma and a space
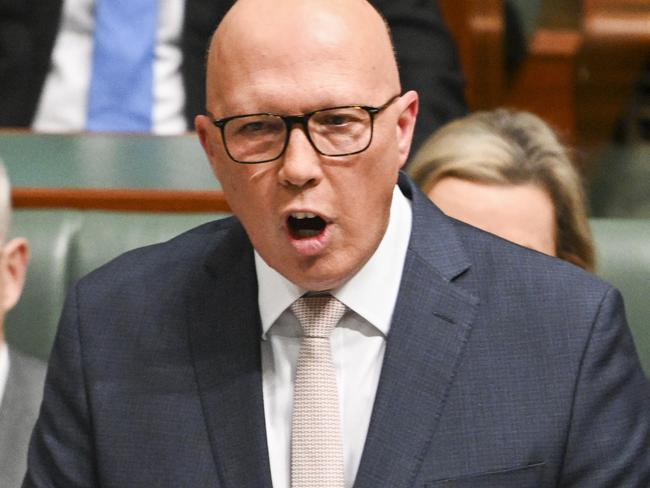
225, 329
431, 324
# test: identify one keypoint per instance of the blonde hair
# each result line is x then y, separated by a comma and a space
511, 147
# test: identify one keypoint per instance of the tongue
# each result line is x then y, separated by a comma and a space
304, 233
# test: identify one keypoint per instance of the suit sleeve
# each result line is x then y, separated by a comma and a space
61, 448
428, 62
609, 439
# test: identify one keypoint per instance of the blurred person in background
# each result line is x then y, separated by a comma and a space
507, 173
139, 66
21, 377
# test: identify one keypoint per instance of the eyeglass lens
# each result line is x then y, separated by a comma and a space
333, 132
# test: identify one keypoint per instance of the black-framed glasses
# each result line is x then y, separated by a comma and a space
335, 131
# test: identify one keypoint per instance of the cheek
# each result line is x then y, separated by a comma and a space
233, 189
249, 191
233, 177
382, 176
387, 163
366, 197
230, 184
363, 184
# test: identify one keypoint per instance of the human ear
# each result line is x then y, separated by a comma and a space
203, 125
13, 271
406, 124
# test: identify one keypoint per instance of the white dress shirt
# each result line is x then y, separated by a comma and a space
63, 105
4, 368
358, 344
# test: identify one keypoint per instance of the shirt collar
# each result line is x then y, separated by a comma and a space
371, 293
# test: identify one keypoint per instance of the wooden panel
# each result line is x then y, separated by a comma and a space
546, 81
616, 48
477, 26
106, 160
126, 200
109, 171
578, 74
560, 14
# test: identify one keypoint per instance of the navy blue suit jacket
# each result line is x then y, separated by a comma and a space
503, 368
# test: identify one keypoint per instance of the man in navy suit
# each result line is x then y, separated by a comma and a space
463, 360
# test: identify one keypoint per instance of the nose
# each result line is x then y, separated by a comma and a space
301, 165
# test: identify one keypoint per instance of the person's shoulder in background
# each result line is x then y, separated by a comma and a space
18, 412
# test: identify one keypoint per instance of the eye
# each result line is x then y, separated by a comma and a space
257, 126
253, 127
335, 119
340, 118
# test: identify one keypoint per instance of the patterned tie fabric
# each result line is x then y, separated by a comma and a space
316, 444
121, 87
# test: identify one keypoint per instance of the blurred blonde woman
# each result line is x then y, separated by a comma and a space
507, 173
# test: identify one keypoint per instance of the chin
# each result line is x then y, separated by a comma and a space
315, 283
319, 279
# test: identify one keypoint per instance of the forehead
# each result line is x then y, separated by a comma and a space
295, 89
298, 62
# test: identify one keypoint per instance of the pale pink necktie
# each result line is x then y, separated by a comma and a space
316, 444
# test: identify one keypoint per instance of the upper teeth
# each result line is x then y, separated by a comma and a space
303, 215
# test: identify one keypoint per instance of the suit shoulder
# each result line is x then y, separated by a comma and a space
28, 365
25, 381
508, 262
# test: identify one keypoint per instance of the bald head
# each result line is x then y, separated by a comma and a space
287, 38
292, 57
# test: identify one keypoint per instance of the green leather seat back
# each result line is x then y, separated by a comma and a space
106, 235
67, 244
31, 325
623, 259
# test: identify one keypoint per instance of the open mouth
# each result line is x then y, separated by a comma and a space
303, 225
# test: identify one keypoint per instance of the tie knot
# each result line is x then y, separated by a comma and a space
318, 315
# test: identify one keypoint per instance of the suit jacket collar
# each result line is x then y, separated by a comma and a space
18, 411
225, 328
433, 237
430, 326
